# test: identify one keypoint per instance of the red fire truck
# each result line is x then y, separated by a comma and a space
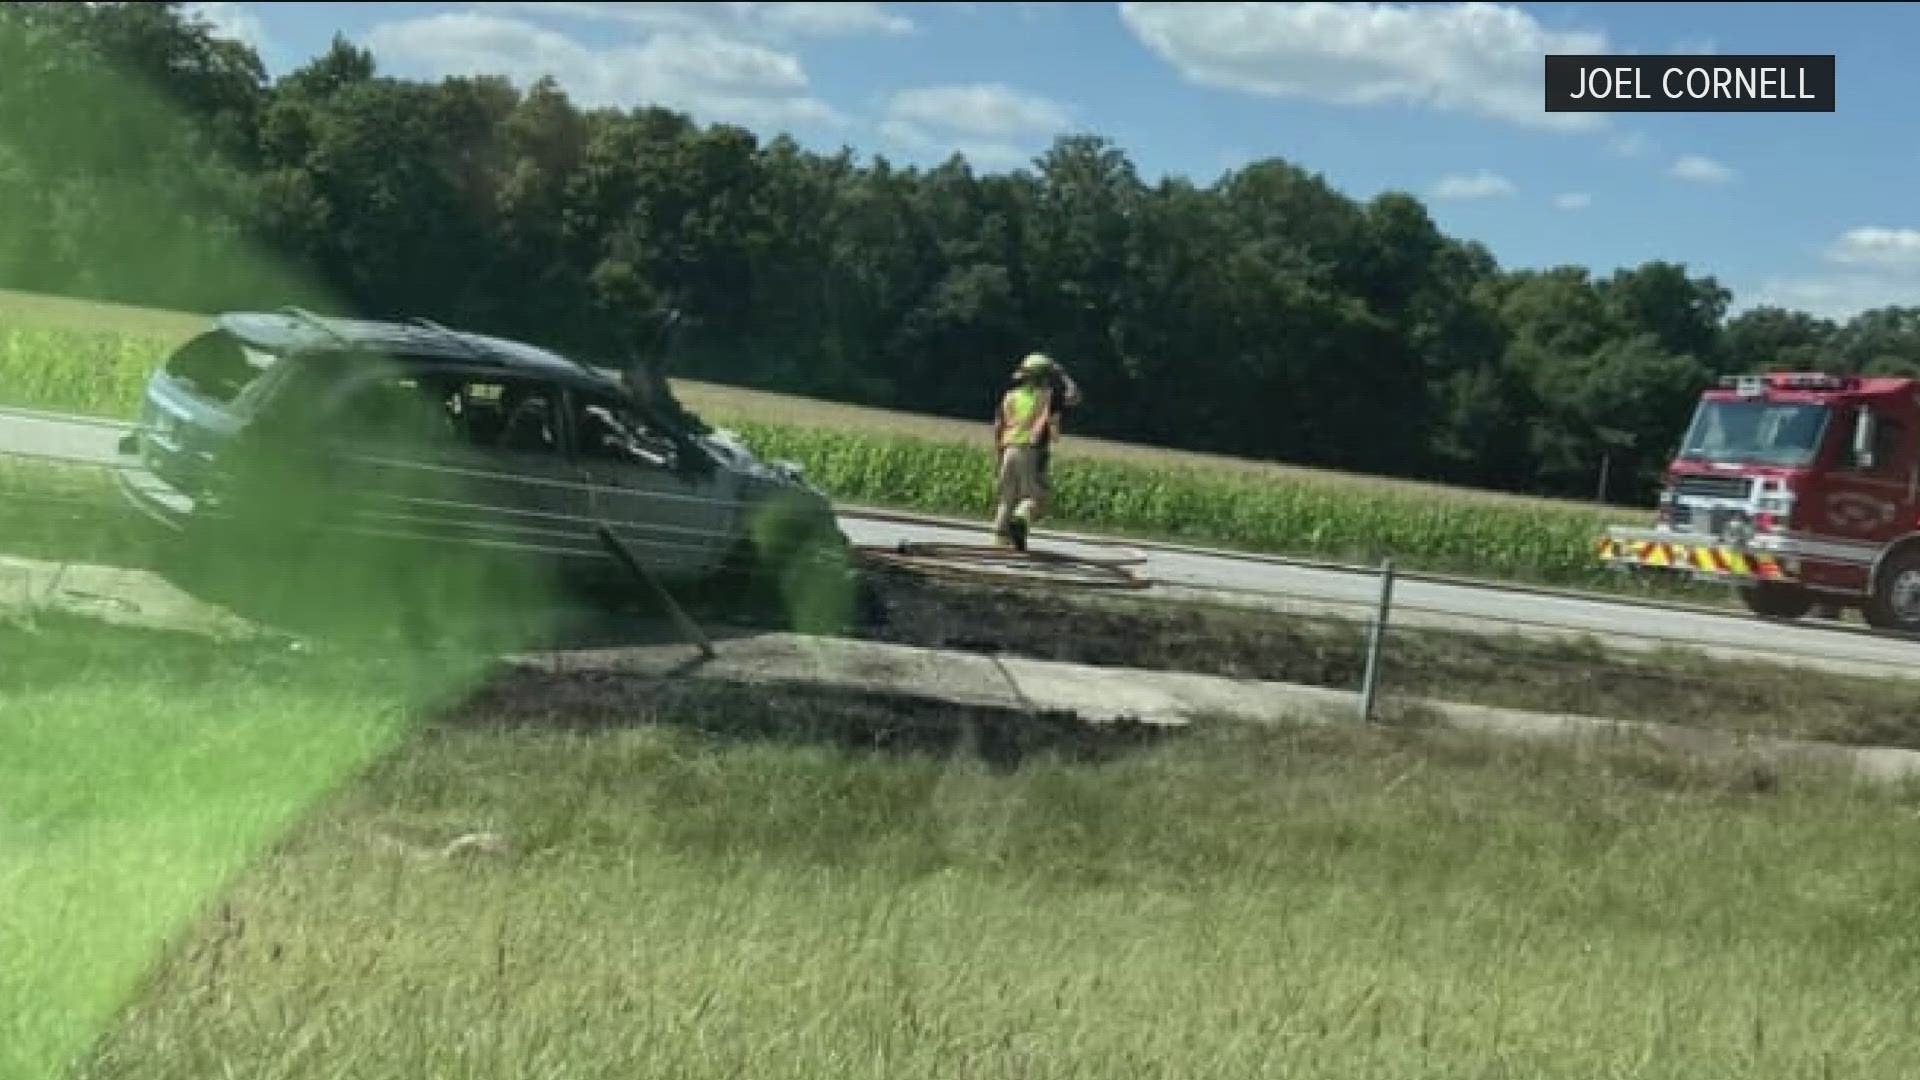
1799, 490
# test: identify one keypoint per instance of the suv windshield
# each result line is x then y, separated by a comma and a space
1755, 432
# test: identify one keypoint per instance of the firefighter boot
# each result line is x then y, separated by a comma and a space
1018, 526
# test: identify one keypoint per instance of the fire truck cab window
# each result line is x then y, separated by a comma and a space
1891, 456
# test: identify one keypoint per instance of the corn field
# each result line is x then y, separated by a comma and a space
65, 371
1191, 505
103, 372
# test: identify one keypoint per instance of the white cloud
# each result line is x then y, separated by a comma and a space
1877, 267
1573, 200
994, 125
1838, 297
1027, 10
1701, 170
1481, 185
835, 18
811, 19
909, 137
1876, 246
988, 109
1482, 59
709, 75
234, 22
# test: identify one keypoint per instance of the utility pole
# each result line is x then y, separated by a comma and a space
1613, 440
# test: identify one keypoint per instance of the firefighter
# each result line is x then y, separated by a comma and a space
1021, 428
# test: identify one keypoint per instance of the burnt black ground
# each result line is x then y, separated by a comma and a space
797, 715
1104, 628
1512, 671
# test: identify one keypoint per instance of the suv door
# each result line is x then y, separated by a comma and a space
670, 506
448, 457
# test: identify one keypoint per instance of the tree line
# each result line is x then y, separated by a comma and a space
1265, 314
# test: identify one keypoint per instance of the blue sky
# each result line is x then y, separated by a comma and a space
1815, 211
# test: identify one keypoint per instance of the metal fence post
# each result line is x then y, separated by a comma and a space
1375, 637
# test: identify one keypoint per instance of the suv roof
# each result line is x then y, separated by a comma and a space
293, 330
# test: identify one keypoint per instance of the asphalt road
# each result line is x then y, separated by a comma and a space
1289, 584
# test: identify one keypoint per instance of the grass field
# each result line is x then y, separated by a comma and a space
38, 311
712, 882
70, 356
138, 774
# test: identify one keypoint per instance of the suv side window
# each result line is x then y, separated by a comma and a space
513, 416
426, 411
612, 431
396, 412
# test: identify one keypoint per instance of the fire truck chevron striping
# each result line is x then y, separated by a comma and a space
1799, 489
1721, 561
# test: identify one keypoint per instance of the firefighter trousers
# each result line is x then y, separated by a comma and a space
1021, 488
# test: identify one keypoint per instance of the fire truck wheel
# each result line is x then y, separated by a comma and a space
1773, 600
1895, 604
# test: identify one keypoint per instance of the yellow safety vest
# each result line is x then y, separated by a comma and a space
1020, 407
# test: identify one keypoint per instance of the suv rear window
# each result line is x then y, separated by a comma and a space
219, 367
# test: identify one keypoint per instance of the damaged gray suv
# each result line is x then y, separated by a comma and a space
297, 426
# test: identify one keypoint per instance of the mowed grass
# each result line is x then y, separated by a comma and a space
868, 456
139, 772
707, 882
40, 311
